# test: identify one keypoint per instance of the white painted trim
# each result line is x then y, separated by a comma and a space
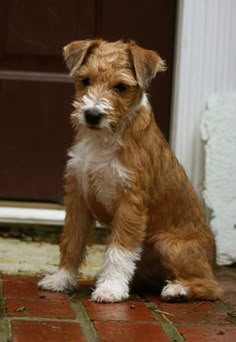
32, 216
204, 65
53, 217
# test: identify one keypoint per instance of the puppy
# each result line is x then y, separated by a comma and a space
122, 173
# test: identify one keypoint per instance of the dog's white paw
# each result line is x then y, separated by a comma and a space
110, 292
59, 281
174, 292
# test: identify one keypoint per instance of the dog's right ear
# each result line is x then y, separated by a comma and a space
75, 53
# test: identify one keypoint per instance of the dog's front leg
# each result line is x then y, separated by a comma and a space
78, 223
122, 253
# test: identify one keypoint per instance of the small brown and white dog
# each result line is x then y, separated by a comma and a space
122, 173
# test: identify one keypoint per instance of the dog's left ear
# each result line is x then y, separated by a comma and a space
75, 53
146, 64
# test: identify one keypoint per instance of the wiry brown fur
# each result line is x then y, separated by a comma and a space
158, 208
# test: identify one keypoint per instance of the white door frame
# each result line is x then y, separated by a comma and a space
205, 64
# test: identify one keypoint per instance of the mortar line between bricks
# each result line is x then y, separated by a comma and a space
168, 326
82, 317
226, 309
2, 299
75, 320
5, 325
221, 306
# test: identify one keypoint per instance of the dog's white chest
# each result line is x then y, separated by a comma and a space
98, 170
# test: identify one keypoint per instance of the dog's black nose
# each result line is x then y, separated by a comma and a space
93, 116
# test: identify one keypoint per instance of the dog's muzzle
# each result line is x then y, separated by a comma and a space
93, 117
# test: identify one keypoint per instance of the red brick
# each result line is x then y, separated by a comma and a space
226, 273
125, 311
46, 331
87, 282
84, 291
208, 333
130, 332
229, 297
39, 308
21, 277
228, 285
194, 312
27, 289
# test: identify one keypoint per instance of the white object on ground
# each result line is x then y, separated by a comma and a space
218, 130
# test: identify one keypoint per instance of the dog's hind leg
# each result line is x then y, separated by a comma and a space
191, 289
78, 223
188, 261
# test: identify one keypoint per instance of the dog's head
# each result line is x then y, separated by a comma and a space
110, 80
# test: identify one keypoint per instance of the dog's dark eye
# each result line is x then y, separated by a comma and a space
120, 88
85, 81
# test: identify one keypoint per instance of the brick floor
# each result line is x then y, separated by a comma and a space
208, 333
39, 308
126, 311
41, 331
29, 314
192, 313
130, 332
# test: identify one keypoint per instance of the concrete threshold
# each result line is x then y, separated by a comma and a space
22, 257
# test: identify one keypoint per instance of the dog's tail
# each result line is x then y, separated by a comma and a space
207, 289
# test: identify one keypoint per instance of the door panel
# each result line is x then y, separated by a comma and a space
43, 27
35, 89
152, 25
38, 134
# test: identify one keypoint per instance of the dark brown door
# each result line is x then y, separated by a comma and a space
36, 92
